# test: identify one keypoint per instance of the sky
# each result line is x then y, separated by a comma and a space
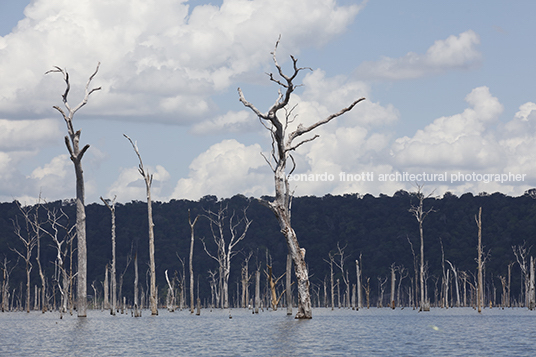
449, 87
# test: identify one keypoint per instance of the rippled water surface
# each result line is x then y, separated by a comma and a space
342, 332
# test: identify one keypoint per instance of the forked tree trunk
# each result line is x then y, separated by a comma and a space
72, 141
282, 147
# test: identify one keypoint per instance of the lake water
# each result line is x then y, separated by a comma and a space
342, 332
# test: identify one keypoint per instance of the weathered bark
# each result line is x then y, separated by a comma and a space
288, 284
191, 260
282, 147
72, 141
111, 207
148, 181
480, 290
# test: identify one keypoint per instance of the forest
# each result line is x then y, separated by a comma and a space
380, 233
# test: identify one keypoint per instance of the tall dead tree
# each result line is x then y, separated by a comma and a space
359, 288
148, 182
72, 141
111, 207
226, 246
191, 260
480, 288
282, 147
420, 214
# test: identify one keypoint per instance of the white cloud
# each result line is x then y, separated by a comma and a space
225, 169
461, 140
28, 134
231, 122
455, 52
161, 59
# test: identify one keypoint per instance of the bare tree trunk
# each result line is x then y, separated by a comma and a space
393, 285
288, 283
420, 214
480, 290
148, 182
257, 290
532, 296
282, 147
191, 260
106, 285
359, 289
113, 295
72, 142
137, 309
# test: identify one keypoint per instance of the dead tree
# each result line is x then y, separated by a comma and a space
29, 240
137, 310
171, 294
273, 283
455, 272
245, 278
148, 181
394, 269
72, 141
62, 235
282, 147
359, 288
340, 264
480, 288
522, 253
191, 260
6, 272
226, 246
420, 214
332, 286
111, 207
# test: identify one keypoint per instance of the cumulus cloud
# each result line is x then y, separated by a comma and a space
161, 60
26, 135
455, 52
231, 122
225, 169
462, 140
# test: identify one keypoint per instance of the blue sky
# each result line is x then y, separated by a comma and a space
449, 88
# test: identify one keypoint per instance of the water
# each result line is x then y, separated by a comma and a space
342, 332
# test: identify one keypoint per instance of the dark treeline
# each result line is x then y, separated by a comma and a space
376, 230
